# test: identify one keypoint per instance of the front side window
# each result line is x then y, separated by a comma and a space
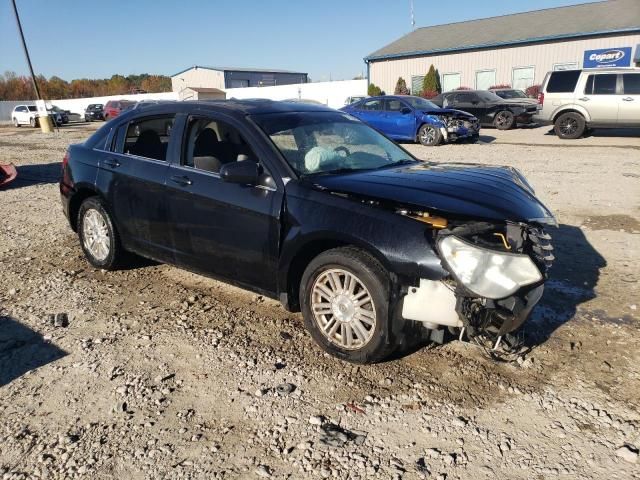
315, 143
631, 83
464, 98
211, 143
601, 84
33, 108
149, 137
394, 105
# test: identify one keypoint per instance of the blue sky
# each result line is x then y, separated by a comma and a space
95, 39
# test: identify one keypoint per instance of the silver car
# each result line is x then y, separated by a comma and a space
576, 100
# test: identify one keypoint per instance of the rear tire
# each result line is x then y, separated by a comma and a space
429, 136
344, 295
98, 237
504, 120
569, 126
16, 123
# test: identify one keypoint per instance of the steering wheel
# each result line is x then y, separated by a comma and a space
342, 149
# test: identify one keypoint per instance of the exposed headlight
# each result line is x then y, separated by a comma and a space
488, 273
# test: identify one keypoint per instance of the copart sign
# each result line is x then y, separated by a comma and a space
607, 57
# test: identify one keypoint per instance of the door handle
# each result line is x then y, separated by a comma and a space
181, 180
627, 99
584, 99
112, 162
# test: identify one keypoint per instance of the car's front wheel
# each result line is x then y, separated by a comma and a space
32, 122
570, 125
15, 122
87, 118
344, 295
98, 236
504, 120
429, 136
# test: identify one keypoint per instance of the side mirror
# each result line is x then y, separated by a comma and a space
245, 172
405, 110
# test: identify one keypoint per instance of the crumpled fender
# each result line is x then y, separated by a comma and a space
8, 174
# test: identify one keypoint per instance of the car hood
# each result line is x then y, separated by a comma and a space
471, 191
448, 111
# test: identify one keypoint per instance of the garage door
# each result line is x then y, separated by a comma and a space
485, 79
450, 81
522, 78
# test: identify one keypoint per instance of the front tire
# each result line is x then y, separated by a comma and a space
569, 126
16, 123
344, 295
32, 122
429, 136
98, 237
505, 120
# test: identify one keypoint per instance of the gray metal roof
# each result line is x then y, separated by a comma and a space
542, 25
235, 69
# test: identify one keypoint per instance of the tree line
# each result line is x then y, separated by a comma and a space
20, 87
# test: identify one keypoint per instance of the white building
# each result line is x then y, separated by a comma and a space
517, 49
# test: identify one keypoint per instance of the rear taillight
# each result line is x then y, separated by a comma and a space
65, 160
541, 98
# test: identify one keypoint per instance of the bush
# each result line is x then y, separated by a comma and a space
431, 82
401, 87
533, 91
428, 94
373, 90
500, 85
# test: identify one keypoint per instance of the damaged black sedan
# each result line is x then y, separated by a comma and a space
318, 210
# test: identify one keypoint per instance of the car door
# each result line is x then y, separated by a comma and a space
470, 103
600, 98
629, 104
370, 111
220, 228
398, 119
133, 175
20, 114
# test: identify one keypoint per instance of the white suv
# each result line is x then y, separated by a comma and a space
25, 115
577, 100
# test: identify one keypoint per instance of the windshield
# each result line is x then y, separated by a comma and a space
329, 142
511, 94
420, 103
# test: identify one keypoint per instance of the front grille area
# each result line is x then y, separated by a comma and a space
539, 248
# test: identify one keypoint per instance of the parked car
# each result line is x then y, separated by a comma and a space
354, 99
59, 115
95, 111
489, 108
25, 115
576, 100
514, 94
310, 206
409, 118
303, 100
113, 108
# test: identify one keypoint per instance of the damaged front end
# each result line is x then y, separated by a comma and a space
455, 125
496, 277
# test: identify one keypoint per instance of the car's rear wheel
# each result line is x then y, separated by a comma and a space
569, 126
504, 120
344, 295
98, 236
429, 136
16, 123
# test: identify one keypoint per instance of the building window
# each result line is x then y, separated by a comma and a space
239, 83
416, 84
485, 79
522, 77
565, 66
450, 81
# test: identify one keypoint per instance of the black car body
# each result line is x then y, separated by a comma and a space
296, 200
95, 111
59, 115
489, 108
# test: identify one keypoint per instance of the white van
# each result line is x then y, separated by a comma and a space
576, 100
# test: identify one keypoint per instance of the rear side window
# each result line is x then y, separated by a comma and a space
631, 83
563, 82
394, 105
601, 84
149, 137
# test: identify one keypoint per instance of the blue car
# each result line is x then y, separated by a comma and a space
412, 119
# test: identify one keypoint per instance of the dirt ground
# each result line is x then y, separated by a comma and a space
161, 373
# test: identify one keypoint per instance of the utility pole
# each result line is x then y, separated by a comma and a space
45, 126
413, 18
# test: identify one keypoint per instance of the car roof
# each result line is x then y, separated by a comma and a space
230, 107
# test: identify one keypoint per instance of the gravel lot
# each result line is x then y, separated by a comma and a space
160, 373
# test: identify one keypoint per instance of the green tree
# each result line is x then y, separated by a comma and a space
431, 81
373, 90
401, 87
438, 84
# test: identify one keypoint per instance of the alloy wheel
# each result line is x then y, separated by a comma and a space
95, 235
428, 135
502, 120
568, 126
343, 309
